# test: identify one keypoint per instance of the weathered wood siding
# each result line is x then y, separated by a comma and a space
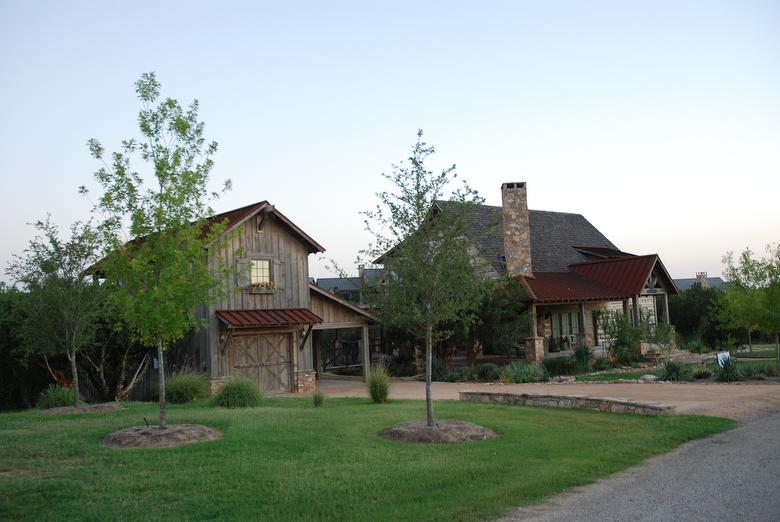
332, 313
289, 258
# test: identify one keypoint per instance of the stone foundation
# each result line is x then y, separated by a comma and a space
216, 383
569, 401
305, 381
534, 349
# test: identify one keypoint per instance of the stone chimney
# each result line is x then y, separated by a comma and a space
701, 279
517, 230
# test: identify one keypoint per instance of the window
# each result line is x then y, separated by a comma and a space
260, 271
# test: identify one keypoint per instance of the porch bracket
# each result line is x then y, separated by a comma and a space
305, 337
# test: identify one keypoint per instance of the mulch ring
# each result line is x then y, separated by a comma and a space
84, 408
155, 437
445, 432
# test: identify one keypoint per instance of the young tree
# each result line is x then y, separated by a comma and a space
743, 291
502, 320
160, 277
757, 281
63, 305
431, 279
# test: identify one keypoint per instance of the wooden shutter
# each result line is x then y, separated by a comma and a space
277, 274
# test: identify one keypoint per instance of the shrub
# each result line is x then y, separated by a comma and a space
55, 396
729, 372
520, 372
770, 370
696, 346
402, 369
238, 392
439, 370
583, 355
318, 397
487, 372
674, 371
379, 384
601, 363
186, 386
702, 373
560, 365
462, 374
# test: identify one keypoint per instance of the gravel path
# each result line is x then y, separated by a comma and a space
731, 476
735, 401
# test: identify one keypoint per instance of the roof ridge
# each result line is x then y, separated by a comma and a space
615, 259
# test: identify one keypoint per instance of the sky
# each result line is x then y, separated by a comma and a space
658, 121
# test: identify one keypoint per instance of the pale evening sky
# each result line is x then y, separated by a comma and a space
658, 121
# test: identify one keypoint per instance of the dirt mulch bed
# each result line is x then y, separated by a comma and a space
155, 437
445, 432
85, 408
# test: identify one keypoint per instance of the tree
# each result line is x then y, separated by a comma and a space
160, 277
701, 314
430, 279
502, 320
743, 291
63, 305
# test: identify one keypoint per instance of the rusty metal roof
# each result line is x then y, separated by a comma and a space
272, 318
562, 287
626, 274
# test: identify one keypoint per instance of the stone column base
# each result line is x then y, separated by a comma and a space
584, 339
216, 383
305, 381
534, 349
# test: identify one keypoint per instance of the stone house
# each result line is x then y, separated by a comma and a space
569, 268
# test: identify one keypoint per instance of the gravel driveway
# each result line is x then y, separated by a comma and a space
735, 401
731, 476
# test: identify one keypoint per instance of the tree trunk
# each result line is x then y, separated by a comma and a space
428, 376
161, 380
75, 374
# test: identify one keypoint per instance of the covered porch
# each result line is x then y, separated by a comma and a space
564, 307
343, 340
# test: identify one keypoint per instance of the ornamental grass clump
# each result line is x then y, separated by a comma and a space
55, 397
487, 372
379, 384
583, 355
238, 392
674, 371
186, 386
318, 397
729, 372
520, 372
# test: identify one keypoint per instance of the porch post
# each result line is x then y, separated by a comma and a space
532, 320
366, 354
581, 318
667, 317
625, 309
635, 303
317, 346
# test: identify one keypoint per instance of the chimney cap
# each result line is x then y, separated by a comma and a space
513, 185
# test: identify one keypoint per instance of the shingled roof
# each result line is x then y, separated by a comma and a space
558, 239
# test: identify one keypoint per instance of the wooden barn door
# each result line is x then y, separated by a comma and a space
265, 359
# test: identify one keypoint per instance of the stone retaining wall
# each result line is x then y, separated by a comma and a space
569, 401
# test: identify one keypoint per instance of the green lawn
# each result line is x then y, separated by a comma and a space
287, 460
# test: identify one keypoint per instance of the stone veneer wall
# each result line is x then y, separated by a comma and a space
568, 401
517, 229
306, 381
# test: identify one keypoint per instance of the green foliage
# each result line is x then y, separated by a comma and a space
584, 357
379, 384
696, 346
622, 338
238, 392
61, 311
462, 374
187, 386
487, 372
565, 365
318, 398
56, 396
674, 371
431, 281
502, 319
520, 372
601, 363
160, 278
702, 373
729, 372
701, 314
439, 370
402, 369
